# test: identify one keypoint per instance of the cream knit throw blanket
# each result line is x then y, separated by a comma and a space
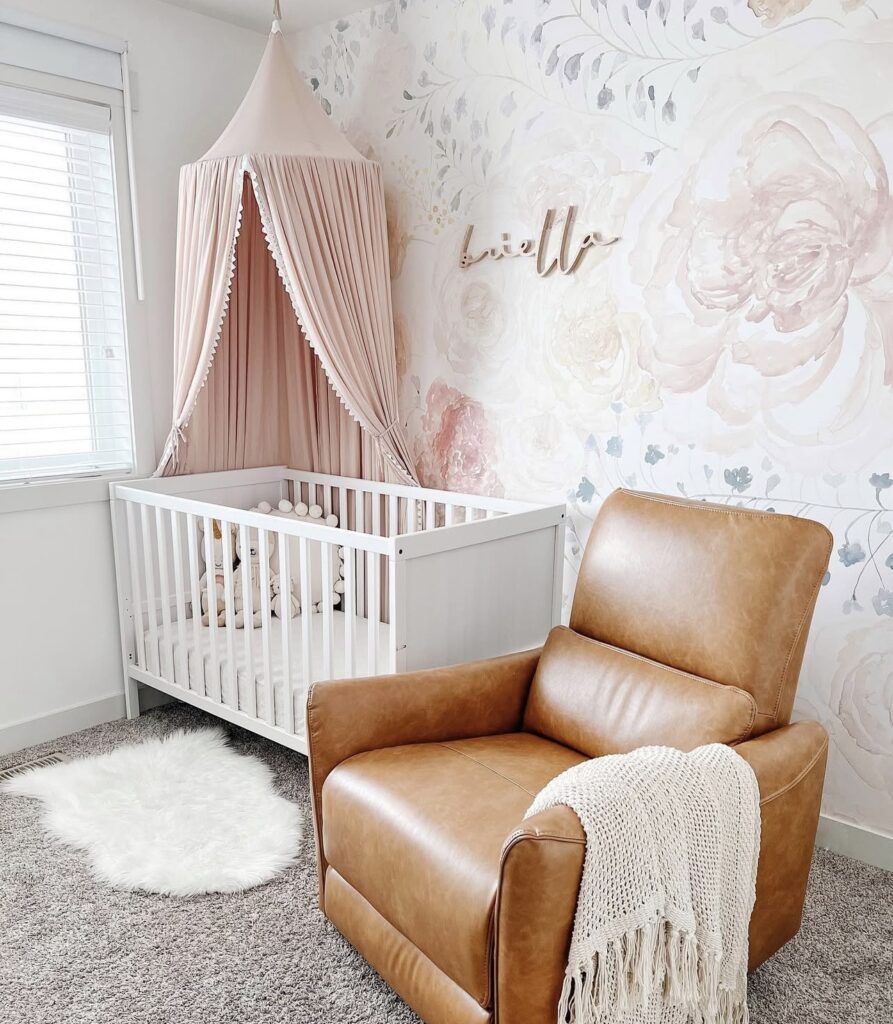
669, 876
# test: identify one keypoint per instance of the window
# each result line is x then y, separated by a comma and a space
64, 390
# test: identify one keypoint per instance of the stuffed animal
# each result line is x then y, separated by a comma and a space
222, 551
279, 603
254, 581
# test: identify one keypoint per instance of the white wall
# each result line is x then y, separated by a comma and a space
190, 72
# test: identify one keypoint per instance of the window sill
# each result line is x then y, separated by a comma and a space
59, 493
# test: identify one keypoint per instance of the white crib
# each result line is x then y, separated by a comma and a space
429, 578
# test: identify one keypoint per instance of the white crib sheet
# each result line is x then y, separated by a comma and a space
169, 662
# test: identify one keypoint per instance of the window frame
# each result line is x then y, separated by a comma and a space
75, 489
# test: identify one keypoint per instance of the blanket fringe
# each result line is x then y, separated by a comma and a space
653, 964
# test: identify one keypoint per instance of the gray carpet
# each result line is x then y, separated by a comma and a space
75, 952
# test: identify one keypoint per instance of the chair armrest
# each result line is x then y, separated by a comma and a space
350, 716
539, 879
789, 764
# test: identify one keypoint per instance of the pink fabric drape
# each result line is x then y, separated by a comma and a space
267, 399
248, 388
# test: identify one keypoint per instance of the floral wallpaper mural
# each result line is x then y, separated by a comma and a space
735, 343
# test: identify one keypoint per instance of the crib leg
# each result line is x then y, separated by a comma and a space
132, 697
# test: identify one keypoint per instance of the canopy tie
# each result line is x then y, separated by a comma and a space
381, 433
277, 10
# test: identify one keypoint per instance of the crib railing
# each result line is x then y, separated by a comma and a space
389, 510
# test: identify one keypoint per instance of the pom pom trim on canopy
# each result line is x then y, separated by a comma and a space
321, 207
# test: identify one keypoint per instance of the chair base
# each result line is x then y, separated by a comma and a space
436, 998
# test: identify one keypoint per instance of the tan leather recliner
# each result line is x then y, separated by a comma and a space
688, 626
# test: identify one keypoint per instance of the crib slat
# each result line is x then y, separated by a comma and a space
410, 515
430, 517
350, 609
372, 610
359, 526
211, 584
288, 706
167, 647
306, 619
181, 601
376, 515
195, 591
393, 524
229, 618
342, 508
266, 626
327, 552
136, 597
152, 608
448, 514
248, 614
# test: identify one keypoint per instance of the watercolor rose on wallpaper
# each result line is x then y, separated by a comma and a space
758, 264
857, 709
589, 355
456, 445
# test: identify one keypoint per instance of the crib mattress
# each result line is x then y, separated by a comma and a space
249, 683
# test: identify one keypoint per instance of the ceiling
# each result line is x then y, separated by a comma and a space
257, 14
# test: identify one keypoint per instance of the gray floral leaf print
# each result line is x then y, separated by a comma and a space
826, 579
605, 98
851, 553
697, 30
772, 483
851, 605
738, 479
653, 454
883, 602
708, 473
668, 111
719, 14
552, 62
572, 67
585, 489
889, 562
614, 447
880, 482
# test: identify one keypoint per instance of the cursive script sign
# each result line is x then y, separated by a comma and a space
566, 261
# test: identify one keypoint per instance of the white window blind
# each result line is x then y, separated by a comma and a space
64, 389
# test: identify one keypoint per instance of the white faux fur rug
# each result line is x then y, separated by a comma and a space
180, 815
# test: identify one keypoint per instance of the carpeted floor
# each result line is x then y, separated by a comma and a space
75, 952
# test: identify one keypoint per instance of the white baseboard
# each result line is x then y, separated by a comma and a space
51, 726
855, 841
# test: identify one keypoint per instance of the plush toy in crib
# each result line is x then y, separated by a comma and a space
223, 550
254, 577
310, 513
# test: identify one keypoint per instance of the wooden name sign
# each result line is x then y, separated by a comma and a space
564, 262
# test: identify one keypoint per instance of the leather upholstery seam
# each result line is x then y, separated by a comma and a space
706, 506
810, 606
726, 687
524, 789
798, 778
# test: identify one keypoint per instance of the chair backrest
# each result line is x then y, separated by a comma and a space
717, 591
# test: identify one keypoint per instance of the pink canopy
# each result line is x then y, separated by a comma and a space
282, 242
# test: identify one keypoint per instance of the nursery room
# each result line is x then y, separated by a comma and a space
446, 501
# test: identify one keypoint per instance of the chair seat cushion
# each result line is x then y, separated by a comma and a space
418, 830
